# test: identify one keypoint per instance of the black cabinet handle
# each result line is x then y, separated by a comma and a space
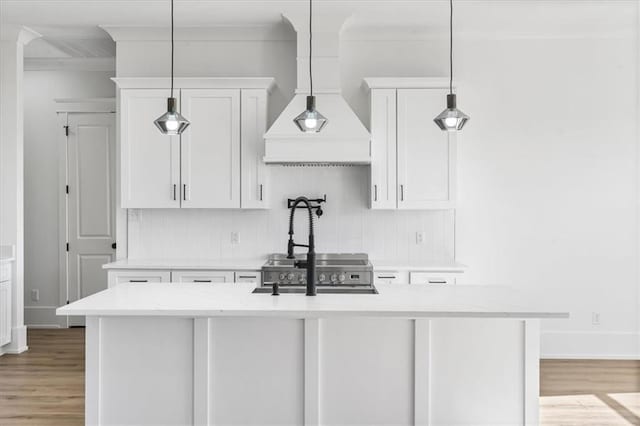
174, 191
375, 192
260, 192
201, 281
113, 246
184, 192
138, 281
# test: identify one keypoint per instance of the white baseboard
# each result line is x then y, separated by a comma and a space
590, 345
42, 317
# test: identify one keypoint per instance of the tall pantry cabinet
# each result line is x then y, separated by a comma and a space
413, 162
215, 163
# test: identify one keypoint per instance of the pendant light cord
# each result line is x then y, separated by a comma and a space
310, 45
450, 46
172, 48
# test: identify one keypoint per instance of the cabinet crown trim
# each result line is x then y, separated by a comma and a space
265, 83
406, 82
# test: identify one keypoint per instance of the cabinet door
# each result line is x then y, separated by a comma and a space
138, 276
383, 149
150, 161
5, 312
253, 191
248, 277
426, 154
432, 278
211, 148
202, 276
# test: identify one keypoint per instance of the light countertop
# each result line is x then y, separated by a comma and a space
236, 300
192, 264
254, 264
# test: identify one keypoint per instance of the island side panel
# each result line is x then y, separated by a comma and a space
145, 370
366, 373
477, 370
256, 371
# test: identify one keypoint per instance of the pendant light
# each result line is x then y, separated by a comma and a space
172, 122
451, 119
310, 120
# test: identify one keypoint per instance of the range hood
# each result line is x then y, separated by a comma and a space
344, 140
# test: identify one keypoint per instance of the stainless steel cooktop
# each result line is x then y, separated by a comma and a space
333, 270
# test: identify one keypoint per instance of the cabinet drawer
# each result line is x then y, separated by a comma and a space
5, 272
140, 276
432, 278
202, 276
387, 277
248, 277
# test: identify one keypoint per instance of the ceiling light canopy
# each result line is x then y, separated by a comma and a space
451, 119
172, 122
310, 120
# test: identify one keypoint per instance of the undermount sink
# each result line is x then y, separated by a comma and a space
320, 290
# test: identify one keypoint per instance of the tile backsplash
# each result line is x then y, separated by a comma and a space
348, 225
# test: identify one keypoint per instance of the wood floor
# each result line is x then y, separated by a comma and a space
45, 386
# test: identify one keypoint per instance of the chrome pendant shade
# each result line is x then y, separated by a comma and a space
171, 122
310, 120
451, 119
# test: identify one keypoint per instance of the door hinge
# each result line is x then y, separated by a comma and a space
67, 189
66, 130
67, 302
67, 246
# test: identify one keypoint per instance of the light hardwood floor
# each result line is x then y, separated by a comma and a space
45, 386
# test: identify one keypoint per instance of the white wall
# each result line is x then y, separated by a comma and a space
42, 139
548, 165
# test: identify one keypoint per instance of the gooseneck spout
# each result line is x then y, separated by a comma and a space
310, 263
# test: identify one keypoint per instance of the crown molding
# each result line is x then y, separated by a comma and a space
70, 64
18, 33
218, 33
265, 83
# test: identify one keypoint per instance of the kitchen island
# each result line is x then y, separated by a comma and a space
220, 355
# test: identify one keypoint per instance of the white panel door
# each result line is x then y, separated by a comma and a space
90, 202
383, 149
253, 117
426, 154
5, 312
202, 276
150, 160
211, 148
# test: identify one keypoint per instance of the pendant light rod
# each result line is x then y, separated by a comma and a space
310, 46
450, 46
172, 48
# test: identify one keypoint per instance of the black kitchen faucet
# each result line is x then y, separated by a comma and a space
310, 263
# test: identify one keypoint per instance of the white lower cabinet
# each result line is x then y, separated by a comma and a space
248, 277
202, 276
389, 277
441, 278
121, 276
5, 312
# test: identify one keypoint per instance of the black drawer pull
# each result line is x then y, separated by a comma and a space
389, 277
138, 281
201, 281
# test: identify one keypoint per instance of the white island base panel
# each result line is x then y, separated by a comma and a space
234, 370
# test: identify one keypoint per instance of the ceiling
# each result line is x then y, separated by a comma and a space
70, 27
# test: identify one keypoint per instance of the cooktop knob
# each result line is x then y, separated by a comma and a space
341, 277
322, 277
334, 277
290, 276
282, 276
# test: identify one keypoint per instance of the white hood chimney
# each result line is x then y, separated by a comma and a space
344, 139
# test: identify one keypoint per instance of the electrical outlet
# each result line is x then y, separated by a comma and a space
35, 295
420, 237
595, 318
235, 237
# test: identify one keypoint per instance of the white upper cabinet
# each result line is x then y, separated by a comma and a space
413, 162
150, 161
215, 163
210, 150
383, 149
254, 171
426, 154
